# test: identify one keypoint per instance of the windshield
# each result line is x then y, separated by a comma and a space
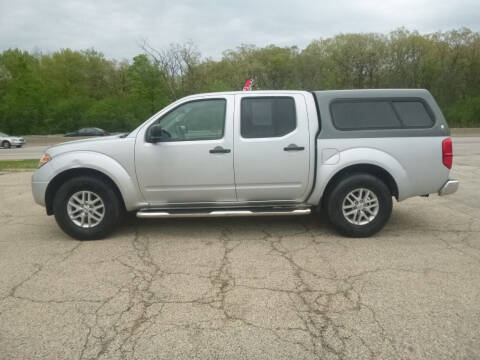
3, 134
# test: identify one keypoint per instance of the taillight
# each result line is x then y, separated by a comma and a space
447, 153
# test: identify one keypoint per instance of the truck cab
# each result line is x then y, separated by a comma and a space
259, 153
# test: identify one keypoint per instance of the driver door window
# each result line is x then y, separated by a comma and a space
196, 120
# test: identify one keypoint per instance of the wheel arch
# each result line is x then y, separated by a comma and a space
66, 175
73, 163
365, 168
361, 159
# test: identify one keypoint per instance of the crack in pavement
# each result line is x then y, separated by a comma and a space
244, 288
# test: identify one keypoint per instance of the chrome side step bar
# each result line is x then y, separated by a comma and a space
151, 213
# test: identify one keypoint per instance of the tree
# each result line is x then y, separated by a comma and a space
67, 89
146, 87
178, 65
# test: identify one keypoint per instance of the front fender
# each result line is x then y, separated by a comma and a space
126, 182
328, 166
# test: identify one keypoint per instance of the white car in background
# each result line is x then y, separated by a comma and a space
7, 141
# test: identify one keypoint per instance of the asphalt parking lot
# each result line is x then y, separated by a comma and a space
245, 288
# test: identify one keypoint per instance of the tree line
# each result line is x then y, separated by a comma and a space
65, 90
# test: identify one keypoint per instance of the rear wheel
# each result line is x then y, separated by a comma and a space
359, 205
86, 208
6, 145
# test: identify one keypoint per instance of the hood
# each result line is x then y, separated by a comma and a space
91, 144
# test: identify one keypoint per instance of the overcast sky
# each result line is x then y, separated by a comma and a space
115, 27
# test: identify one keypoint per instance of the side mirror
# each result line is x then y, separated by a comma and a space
156, 134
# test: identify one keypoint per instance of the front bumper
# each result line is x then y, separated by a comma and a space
40, 180
449, 187
18, 142
38, 190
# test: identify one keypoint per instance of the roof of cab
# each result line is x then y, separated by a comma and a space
259, 92
328, 93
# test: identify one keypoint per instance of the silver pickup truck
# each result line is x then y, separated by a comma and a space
252, 154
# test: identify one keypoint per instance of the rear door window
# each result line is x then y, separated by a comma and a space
266, 117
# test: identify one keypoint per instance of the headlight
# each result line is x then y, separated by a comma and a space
45, 158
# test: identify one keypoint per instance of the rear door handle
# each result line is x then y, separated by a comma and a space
293, 147
219, 150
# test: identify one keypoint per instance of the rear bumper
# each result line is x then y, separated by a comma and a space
449, 187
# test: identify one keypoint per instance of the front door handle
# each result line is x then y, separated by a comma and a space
219, 150
293, 147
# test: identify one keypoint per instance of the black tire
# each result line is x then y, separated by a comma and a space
337, 195
6, 145
112, 212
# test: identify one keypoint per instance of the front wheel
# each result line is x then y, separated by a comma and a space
86, 208
359, 205
6, 145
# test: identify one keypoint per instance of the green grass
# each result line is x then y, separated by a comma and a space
18, 164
